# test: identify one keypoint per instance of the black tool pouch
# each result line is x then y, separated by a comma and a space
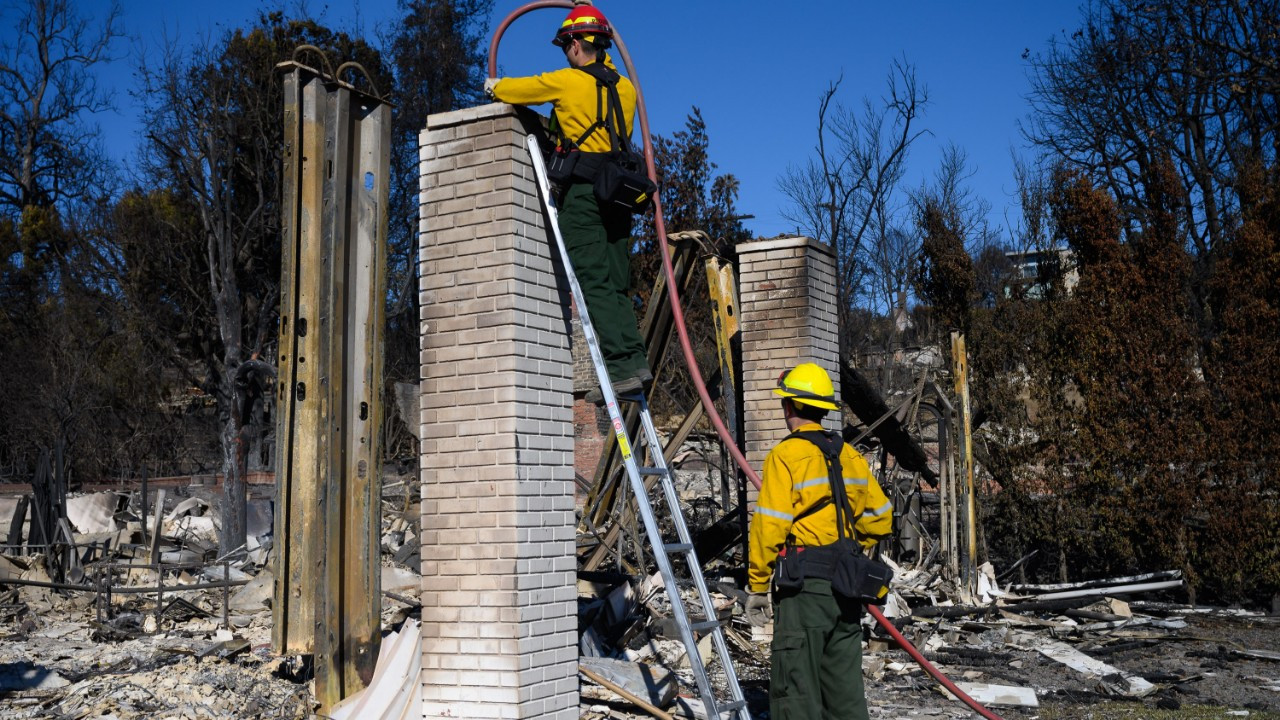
561, 165
853, 575
622, 183
788, 574
858, 577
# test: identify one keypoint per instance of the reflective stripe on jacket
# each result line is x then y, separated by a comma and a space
795, 478
573, 93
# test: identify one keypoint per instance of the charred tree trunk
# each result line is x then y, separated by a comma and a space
237, 437
234, 497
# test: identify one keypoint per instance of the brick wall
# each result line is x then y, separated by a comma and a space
788, 304
590, 424
499, 616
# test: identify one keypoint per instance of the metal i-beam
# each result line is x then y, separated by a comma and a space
723, 287
333, 282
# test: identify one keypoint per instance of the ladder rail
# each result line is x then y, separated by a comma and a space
709, 612
643, 504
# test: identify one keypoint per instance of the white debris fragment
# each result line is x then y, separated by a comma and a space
89, 514
1111, 680
988, 694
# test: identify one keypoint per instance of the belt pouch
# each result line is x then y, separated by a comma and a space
561, 165
789, 573
857, 576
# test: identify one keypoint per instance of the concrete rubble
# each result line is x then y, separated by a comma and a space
198, 648
71, 650
1019, 650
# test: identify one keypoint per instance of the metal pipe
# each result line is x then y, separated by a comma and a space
1127, 580
622, 692
1113, 590
122, 590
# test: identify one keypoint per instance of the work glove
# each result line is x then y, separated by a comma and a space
759, 609
488, 86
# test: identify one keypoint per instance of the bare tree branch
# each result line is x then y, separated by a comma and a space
845, 194
48, 152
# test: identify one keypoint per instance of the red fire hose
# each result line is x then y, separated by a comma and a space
677, 313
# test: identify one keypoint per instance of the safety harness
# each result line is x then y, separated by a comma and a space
618, 175
851, 572
606, 112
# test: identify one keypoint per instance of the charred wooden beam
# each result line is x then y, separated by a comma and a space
865, 401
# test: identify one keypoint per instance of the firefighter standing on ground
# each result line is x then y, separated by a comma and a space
816, 669
598, 238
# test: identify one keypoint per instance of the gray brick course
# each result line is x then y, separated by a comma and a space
499, 616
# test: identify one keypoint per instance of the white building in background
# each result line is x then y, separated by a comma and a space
1029, 268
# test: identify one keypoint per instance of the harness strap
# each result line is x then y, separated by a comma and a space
831, 446
609, 116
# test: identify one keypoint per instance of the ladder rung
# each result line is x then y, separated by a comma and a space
722, 708
653, 471
677, 547
704, 625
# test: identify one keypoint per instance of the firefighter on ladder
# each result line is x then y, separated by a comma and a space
598, 237
816, 671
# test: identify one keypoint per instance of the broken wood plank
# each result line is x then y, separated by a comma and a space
622, 692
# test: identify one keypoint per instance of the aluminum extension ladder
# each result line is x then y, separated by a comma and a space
736, 707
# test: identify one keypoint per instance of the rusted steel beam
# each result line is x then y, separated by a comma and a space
333, 282
723, 288
293, 630
968, 507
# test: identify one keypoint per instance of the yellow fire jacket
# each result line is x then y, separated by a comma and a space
795, 478
574, 95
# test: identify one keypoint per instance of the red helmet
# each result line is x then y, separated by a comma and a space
584, 20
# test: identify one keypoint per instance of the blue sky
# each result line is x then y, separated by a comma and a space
755, 69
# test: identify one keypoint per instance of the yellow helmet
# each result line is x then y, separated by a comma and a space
808, 384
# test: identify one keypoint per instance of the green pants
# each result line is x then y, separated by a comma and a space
816, 671
599, 245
